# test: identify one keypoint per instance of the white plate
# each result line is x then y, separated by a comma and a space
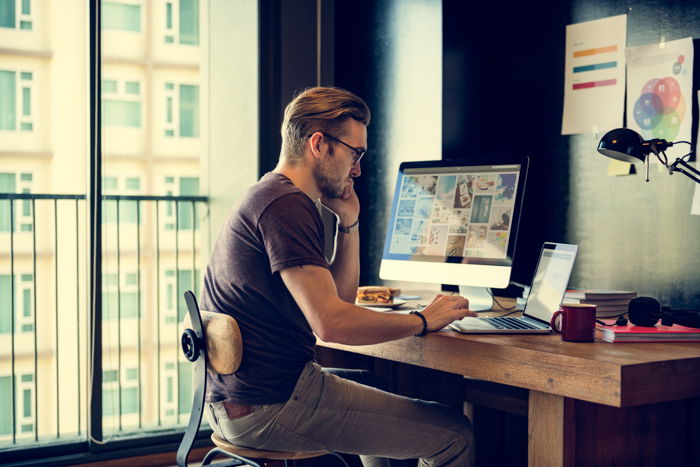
395, 304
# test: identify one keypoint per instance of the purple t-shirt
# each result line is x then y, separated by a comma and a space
276, 226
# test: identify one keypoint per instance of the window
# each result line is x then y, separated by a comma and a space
120, 299
16, 95
182, 110
121, 101
178, 394
5, 304
186, 213
123, 16
182, 22
187, 219
5, 404
112, 386
128, 209
23, 303
24, 404
45, 126
10, 183
16, 14
7, 185
174, 300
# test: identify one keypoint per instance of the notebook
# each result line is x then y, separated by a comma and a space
548, 287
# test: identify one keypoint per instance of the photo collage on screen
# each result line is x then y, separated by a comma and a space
466, 214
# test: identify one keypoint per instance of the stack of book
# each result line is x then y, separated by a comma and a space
658, 333
609, 303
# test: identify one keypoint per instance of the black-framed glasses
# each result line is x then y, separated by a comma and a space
357, 153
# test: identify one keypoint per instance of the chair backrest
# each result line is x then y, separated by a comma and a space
222, 349
223, 340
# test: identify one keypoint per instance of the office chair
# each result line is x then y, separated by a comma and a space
213, 340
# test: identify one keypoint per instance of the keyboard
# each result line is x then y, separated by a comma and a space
511, 323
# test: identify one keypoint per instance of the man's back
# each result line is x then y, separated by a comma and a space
276, 226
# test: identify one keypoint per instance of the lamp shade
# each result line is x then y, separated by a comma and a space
624, 145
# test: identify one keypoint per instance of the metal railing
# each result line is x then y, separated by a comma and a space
150, 254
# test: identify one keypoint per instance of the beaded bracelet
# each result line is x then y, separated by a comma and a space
425, 323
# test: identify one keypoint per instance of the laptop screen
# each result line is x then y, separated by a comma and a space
550, 281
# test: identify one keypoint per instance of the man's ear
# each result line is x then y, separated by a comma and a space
316, 144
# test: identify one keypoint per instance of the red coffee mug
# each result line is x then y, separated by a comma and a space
577, 322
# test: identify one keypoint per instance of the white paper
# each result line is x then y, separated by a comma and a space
659, 93
594, 76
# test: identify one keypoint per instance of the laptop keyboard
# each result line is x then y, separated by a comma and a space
510, 323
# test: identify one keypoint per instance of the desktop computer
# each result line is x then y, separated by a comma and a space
456, 222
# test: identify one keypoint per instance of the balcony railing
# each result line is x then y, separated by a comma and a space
150, 255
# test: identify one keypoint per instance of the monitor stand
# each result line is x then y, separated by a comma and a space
479, 297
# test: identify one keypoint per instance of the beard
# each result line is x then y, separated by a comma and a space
330, 185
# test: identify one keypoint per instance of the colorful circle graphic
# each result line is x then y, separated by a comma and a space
660, 108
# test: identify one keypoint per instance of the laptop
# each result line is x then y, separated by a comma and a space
546, 294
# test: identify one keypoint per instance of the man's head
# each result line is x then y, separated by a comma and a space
319, 109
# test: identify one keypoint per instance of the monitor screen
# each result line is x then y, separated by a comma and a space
455, 221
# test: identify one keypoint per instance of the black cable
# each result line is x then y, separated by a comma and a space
617, 321
501, 306
485, 311
691, 149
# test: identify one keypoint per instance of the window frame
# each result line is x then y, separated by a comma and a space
120, 289
171, 32
137, 3
173, 187
121, 95
21, 85
22, 211
22, 419
172, 109
125, 206
21, 17
20, 289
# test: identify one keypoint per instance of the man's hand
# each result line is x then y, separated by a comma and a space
347, 207
444, 309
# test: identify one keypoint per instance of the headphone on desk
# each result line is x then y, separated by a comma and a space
646, 311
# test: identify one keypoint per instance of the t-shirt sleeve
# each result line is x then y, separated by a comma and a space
292, 233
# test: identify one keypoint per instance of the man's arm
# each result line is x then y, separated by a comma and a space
345, 267
336, 320
346, 263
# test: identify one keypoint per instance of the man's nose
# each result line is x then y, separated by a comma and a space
356, 171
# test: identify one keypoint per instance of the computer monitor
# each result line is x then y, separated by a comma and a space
455, 221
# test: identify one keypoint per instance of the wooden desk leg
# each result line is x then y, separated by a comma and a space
549, 438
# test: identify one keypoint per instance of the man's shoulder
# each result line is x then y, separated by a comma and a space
274, 189
272, 185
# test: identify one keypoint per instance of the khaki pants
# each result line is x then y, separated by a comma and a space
333, 414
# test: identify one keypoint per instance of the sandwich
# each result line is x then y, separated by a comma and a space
375, 294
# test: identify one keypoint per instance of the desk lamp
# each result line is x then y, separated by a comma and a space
627, 145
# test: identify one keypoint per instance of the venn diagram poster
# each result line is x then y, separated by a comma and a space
659, 93
594, 78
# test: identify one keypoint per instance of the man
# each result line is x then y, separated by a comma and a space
268, 271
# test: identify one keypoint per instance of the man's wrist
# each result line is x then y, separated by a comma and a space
348, 228
423, 331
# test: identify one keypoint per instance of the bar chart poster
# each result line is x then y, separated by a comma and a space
659, 92
594, 77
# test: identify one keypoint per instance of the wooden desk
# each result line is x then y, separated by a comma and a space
589, 403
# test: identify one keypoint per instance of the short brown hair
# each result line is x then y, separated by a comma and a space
322, 109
